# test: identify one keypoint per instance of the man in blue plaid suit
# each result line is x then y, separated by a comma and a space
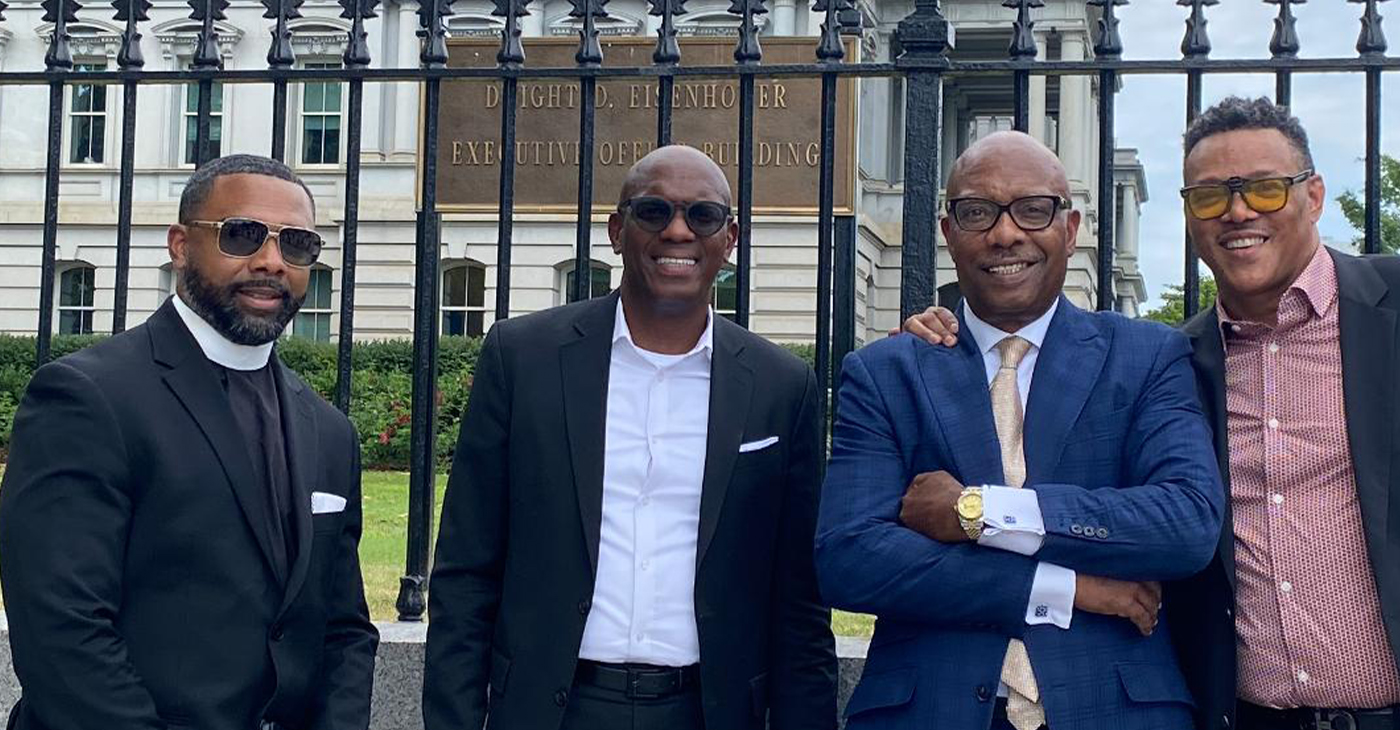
1007, 505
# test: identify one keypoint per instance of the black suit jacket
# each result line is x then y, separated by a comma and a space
518, 549
135, 551
1369, 300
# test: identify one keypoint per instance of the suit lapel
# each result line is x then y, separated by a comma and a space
1066, 370
299, 432
193, 380
956, 384
583, 363
1208, 360
1368, 385
731, 389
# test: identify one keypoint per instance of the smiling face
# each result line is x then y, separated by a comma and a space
672, 268
1008, 275
248, 300
1255, 256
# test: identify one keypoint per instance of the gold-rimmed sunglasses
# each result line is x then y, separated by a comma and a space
1264, 195
241, 238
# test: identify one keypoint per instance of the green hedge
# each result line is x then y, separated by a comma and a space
381, 388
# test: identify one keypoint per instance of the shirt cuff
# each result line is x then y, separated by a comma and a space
1052, 596
1011, 520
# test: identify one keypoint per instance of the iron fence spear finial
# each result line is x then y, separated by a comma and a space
131, 12
512, 52
1107, 42
668, 50
1284, 43
432, 28
206, 52
1372, 39
1022, 35
60, 13
590, 51
748, 51
280, 54
357, 49
1196, 44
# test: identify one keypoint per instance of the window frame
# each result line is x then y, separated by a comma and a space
565, 268
184, 115
87, 312
466, 308
70, 117
298, 141
729, 314
327, 312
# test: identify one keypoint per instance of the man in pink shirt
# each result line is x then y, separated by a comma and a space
1297, 618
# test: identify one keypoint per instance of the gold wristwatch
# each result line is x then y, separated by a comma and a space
969, 509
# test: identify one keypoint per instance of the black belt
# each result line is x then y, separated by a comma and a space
1313, 718
638, 681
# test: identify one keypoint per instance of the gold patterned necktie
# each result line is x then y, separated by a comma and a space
1023, 708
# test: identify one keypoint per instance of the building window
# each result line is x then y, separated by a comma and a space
313, 320
464, 300
87, 119
320, 120
75, 300
165, 283
191, 121
599, 280
725, 298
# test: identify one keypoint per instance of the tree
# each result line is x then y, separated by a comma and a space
1173, 309
1354, 208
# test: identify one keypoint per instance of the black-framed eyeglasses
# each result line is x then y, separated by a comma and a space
704, 217
1031, 213
1264, 195
241, 238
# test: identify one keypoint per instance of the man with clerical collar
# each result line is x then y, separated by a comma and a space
1006, 507
627, 532
180, 515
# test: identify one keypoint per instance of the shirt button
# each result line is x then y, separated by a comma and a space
1234, 328
1273, 347
646, 500
1273, 423
1285, 586
1278, 498
646, 564
1303, 676
561, 698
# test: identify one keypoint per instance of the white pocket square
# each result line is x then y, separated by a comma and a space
756, 445
325, 503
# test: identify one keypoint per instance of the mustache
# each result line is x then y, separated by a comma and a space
268, 284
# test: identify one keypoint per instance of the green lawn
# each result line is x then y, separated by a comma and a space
386, 529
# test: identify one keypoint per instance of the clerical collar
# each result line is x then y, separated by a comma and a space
219, 349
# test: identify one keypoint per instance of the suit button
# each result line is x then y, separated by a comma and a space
983, 694
561, 698
583, 607
1076, 529
277, 633
1229, 613
1102, 532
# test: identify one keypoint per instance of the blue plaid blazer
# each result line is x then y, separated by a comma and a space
1120, 457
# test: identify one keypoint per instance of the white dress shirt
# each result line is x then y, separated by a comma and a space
1011, 517
653, 462
220, 349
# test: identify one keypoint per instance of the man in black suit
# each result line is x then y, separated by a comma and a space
627, 533
1298, 615
180, 515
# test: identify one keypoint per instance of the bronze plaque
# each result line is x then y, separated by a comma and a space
787, 127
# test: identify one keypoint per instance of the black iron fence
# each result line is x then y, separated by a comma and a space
924, 37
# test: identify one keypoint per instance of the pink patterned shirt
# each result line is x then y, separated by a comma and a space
1308, 619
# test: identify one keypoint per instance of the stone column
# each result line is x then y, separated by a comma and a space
1128, 247
785, 17
1037, 100
1074, 92
532, 25
406, 122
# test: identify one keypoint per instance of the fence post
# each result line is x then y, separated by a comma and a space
925, 37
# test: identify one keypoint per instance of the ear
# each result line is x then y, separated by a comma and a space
615, 231
176, 242
945, 224
732, 232
1317, 196
1072, 230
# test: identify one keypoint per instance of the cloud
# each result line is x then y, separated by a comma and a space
1151, 109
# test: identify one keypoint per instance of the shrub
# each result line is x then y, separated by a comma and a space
381, 387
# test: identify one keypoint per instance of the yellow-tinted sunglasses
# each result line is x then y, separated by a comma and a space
1266, 195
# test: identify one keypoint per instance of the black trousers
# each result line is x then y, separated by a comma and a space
595, 708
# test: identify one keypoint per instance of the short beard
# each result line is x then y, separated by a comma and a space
218, 306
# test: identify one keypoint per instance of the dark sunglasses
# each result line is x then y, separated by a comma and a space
1031, 213
241, 238
1265, 195
704, 217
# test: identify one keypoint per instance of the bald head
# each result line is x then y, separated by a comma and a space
1001, 152
675, 161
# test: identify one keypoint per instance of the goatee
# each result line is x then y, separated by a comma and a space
218, 305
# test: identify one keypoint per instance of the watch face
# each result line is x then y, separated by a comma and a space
970, 506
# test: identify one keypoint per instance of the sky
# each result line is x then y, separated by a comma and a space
1151, 110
